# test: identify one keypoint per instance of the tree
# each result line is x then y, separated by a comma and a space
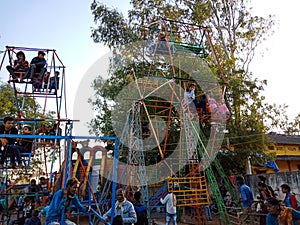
7, 101
10, 101
235, 33
290, 127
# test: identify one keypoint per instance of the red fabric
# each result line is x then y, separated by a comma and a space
293, 201
285, 217
231, 178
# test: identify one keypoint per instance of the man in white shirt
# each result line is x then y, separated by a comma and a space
170, 201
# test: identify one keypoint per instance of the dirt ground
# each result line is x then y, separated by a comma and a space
184, 221
190, 221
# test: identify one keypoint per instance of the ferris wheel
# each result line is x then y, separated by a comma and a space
159, 107
171, 117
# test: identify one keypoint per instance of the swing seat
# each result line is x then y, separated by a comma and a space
20, 74
25, 157
185, 47
162, 48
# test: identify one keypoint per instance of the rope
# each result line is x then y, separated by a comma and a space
2, 61
46, 96
29, 49
63, 83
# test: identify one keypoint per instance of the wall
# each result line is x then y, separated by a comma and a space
282, 165
285, 149
275, 181
288, 165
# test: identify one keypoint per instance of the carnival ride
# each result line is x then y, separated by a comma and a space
164, 141
56, 146
165, 138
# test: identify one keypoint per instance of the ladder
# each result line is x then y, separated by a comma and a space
191, 138
195, 192
193, 133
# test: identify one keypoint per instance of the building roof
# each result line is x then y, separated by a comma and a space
284, 139
285, 158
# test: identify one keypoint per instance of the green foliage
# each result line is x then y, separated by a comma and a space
7, 101
113, 29
101, 124
11, 103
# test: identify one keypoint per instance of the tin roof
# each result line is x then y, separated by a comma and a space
284, 139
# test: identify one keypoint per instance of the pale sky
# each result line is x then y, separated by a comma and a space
277, 58
65, 26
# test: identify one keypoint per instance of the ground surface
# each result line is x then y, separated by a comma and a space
184, 220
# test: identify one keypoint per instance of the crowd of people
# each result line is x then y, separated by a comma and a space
31, 199
277, 212
128, 211
132, 210
22, 69
13, 147
37, 204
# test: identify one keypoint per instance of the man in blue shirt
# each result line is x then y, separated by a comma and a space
140, 209
61, 204
290, 199
247, 198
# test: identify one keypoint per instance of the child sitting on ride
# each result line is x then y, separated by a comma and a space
54, 82
162, 46
24, 145
190, 101
212, 103
43, 190
203, 105
189, 94
223, 111
218, 111
27, 209
37, 65
34, 219
19, 65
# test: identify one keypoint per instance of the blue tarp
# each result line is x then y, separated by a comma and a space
272, 165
